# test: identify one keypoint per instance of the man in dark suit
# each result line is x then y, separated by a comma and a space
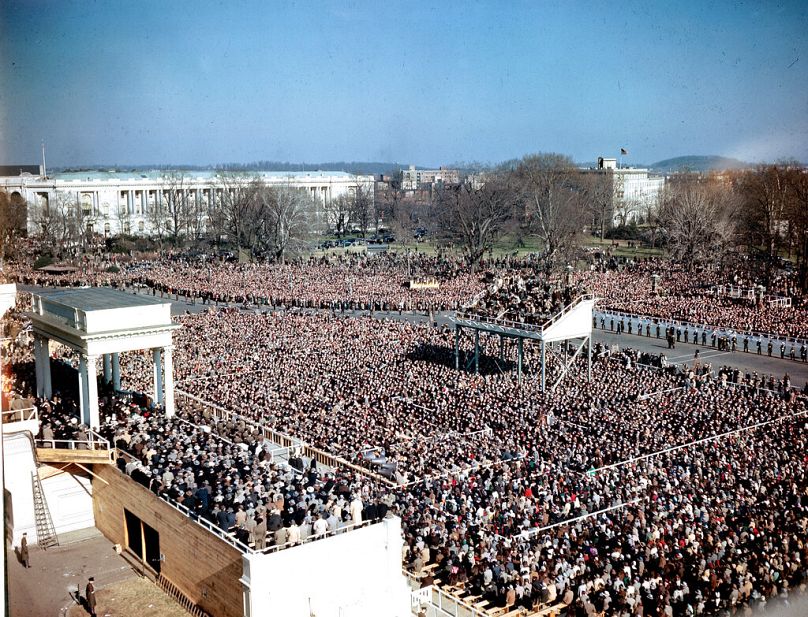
24, 551
89, 596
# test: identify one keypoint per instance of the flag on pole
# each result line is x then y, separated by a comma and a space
623, 151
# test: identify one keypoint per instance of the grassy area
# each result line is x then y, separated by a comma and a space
134, 597
622, 249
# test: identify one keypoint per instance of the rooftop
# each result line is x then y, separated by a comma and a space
98, 299
94, 174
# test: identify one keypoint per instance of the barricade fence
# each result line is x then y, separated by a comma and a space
287, 441
695, 330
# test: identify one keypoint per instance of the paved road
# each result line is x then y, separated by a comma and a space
48, 588
684, 352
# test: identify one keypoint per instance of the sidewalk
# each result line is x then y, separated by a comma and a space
49, 587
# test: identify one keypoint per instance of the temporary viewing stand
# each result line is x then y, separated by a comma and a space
573, 322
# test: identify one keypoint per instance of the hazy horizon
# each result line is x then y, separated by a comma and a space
201, 83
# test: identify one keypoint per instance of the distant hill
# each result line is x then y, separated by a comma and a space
697, 163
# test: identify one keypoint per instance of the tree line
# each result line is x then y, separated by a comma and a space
698, 218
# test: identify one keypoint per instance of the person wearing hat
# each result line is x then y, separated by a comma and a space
24, 558
89, 596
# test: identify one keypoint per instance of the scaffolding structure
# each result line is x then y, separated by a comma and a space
572, 323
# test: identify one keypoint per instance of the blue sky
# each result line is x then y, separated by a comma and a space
429, 83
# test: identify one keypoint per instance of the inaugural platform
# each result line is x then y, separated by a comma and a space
100, 323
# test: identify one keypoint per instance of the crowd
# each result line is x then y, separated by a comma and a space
486, 466
695, 298
647, 491
521, 296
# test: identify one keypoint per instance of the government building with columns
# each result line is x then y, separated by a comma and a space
115, 202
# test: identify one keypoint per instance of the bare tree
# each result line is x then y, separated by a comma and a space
285, 215
698, 221
338, 213
237, 205
360, 208
198, 215
599, 194
13, 222
123, 219
474, 218
798, 219
174, 207
553, 194
766, 192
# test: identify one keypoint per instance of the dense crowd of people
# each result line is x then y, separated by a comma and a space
521, 296
699, 299
649, 490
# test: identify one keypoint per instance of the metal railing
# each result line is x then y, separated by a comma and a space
695, 328
438, 598
312, 538
94, 441
233, 541
201, 521
287, 441
519, 325
20, 415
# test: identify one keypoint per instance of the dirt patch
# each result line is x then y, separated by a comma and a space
137, 597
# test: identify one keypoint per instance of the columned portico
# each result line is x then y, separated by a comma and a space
100, 322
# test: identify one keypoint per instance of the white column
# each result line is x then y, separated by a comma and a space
116, 372
169, 381
158, 376
107, 368
83, 393
46, 368
40, 379
92, 391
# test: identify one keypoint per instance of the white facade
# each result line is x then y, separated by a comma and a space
353, 574
636, 194
121, 202
98, 323
636, 191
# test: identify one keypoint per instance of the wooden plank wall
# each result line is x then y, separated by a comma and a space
204, 568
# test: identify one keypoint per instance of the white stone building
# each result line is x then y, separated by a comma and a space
114, 202
636, 190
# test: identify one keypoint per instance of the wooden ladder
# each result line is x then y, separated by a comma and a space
45, 533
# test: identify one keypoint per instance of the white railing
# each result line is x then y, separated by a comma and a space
693, 328
519, 325
20, 415
94, 441
312, 538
